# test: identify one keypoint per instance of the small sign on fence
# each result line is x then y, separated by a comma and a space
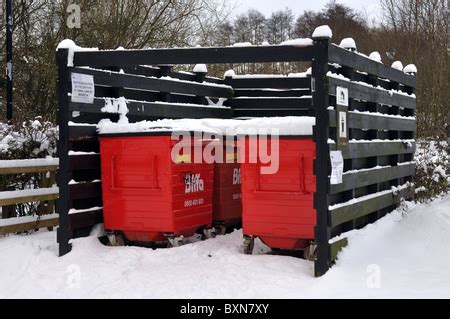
342, 96
337, 163
83, 88
342, 106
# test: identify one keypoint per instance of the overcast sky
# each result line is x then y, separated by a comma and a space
367, 7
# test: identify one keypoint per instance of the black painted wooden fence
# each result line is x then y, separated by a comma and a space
379, 121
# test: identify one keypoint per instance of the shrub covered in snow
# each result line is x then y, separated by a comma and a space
33, 139
433, 171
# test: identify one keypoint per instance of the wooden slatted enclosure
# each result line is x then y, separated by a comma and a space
378, 150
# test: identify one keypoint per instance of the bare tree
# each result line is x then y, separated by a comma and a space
344, 21
106, 24
280, 26
418, 30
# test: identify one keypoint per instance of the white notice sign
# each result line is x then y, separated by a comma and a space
337, 162
83, 89
343, 125
342, 96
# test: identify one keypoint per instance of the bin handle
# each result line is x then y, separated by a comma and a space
155, 177
302, 191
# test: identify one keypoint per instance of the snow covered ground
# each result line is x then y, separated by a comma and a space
404, 255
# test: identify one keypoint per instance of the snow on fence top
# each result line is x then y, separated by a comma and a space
232, 74
410, 68
323, 31
398, 65
299, 42
72, 47
242, 44
348, 43
200, 68
29, 163
284, 126
375, 56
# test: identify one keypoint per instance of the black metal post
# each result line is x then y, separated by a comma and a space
63, 89
9, 59
321, 134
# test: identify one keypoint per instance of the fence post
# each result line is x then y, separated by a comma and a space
320, 93
165, 70
9, 58
63, 89
200, 77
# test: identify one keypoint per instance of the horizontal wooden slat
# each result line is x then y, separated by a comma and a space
273, 83
371, 94
358, 62
363, 208
272, 112
337, 247
86, 219
13, 167
28, 196
114, 79
195, 56
5, 230
271, 93
271, 103
94, 118
372, 149
155, 72
84, 162
365, 121
85, 190
27, 170
159, 110
79, 133
146, 96
372, 177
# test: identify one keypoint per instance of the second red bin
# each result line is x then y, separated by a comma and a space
278, 208
227, 201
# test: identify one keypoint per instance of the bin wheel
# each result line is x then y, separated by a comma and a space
175, 242
249, 245
209, 233
116, 240
310, 253
221, 230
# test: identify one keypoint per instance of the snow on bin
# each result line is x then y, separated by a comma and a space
149, 197
278, 206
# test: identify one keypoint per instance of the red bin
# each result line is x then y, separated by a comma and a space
148, 197
227, 200
279, 208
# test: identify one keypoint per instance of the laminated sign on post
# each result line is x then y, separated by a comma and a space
342, 96
337, 163
83, 88
342, 105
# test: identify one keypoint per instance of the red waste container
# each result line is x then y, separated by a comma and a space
227, 200
279, 208
147, 196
